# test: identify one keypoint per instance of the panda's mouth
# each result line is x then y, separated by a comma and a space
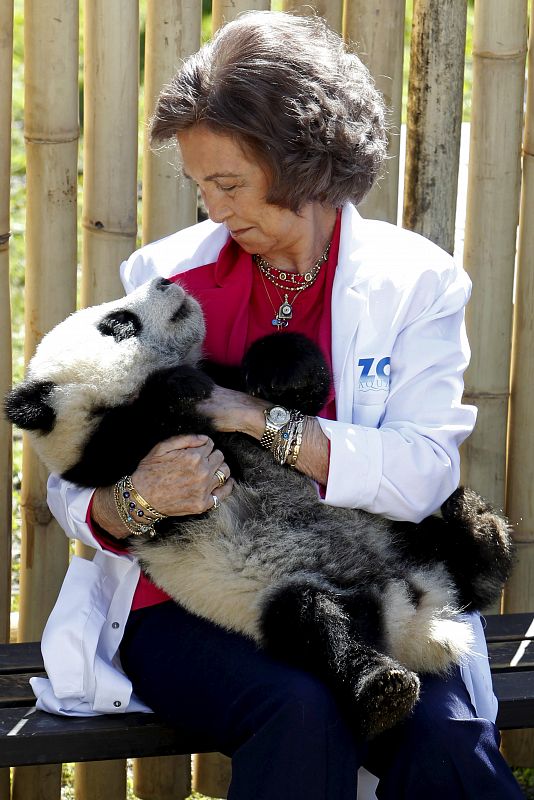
183, 312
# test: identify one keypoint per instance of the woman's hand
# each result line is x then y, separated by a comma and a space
231, 411
177, 478
235, 411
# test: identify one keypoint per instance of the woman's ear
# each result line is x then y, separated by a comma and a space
28, 406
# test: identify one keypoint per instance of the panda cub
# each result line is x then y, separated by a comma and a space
363, 602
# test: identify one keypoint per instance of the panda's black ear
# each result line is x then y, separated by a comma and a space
28, 406
120, 324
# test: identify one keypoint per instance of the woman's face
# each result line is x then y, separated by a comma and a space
234, 187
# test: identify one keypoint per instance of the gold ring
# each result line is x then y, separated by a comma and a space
221, 477
216, 502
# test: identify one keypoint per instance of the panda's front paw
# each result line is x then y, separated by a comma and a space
290, 369
177, 387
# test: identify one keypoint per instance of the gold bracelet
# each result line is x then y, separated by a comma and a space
138, 505
296, 443
287, 437
134, 527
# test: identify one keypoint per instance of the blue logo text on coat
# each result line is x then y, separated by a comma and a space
374, 374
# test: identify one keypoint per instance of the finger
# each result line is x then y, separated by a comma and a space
221, 493
221, 476
166, 449
190, 440
215, 460
182, 443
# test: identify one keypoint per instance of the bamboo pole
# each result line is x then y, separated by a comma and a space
212, 773
40, 783
111, 79
165, 778
435, 91
499, 49
172, 32
51, 131
6, 67
519, 594
330, 10
173, 29
226, 10
376, 32
109, 220
100, 780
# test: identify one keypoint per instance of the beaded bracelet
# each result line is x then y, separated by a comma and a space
137, 504
135, 513
289, 437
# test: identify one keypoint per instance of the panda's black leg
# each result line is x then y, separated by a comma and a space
472, 540
309, 626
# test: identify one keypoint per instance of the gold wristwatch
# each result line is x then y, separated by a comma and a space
275, 419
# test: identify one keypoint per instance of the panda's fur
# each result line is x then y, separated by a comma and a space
362, 601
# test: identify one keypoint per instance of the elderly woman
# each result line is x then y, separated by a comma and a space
283, 132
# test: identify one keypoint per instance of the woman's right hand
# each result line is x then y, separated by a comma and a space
177, 477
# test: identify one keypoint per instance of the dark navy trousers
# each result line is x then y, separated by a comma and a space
286, 735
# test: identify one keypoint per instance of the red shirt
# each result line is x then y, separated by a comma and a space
239, 305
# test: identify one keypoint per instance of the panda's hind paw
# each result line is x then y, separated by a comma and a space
384, 697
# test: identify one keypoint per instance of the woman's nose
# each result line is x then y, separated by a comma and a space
216, 205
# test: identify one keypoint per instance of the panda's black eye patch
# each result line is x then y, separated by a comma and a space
121, 325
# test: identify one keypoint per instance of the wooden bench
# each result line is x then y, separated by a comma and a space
31, 737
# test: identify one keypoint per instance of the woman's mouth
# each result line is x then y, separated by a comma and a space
239, 232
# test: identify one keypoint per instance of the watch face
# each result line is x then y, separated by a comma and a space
279, 415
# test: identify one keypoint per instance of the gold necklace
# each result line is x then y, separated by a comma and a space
285, 310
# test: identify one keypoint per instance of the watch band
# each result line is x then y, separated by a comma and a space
272, 427
269, 434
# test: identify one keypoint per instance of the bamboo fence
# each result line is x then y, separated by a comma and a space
499, 49
435, 92
519, 595
6, 52
376, 31
51, 135
109, 233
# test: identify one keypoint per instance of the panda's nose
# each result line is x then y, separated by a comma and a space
163, 284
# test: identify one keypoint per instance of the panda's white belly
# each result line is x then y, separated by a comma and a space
208, 578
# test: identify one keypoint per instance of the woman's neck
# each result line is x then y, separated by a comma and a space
310, 235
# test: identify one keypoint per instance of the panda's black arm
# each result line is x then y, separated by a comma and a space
166, 406
229, 377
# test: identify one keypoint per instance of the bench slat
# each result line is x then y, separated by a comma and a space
515, 691
41, 738
501, 627
15, 690
516, 655
23, 657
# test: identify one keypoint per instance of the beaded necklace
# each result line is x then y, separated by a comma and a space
287, 282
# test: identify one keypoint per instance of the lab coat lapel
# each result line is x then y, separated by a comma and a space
349, 301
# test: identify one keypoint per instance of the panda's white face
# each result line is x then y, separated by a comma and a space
114, 346
100, 357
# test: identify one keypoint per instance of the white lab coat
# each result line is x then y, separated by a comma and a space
399, 351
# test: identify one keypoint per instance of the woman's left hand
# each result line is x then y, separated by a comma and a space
235, 411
